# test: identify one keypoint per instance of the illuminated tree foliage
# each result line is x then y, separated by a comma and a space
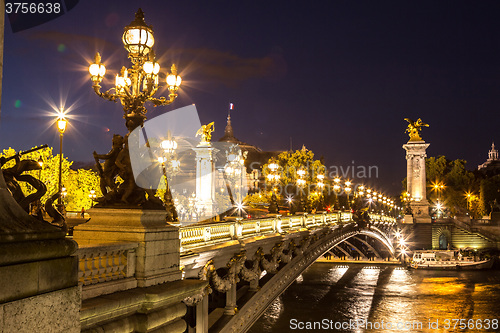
78, 183
449, 182
259, 200
290, 162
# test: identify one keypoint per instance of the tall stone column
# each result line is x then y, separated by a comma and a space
205, 178
416, 179
416, 187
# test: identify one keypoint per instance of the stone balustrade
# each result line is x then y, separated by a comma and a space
106, 268
193, 236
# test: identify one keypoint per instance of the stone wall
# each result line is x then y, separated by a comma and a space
57, 311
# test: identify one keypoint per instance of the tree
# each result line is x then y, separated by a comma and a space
489, 192
435, 168
258, 200
458, 181
78, 186
290, 162
78, 183
449, 182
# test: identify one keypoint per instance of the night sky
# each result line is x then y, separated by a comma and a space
336, 76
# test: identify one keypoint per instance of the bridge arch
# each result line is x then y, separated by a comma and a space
298, 259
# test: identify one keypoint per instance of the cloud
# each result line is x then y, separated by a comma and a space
229, 68
205, 64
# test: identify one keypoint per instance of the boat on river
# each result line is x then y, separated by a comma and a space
447, 260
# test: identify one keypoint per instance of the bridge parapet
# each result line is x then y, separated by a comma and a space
107, 268
200, 235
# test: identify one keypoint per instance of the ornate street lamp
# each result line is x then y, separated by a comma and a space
138, 84
168, 161
273, 177
320, 185
61, 127
301, 182
336, 190
347, 190
233, 174
134, 86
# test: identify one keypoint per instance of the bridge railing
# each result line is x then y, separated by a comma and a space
196, 235
192, 236
106, 268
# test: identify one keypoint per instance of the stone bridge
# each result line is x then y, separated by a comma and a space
217, 277
248, 263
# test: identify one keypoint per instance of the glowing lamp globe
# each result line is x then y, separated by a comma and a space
138, 37
174, 80
151, 67
168, 145
61, 125
97, 70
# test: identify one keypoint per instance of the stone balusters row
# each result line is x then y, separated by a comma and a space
192, 236
104, 263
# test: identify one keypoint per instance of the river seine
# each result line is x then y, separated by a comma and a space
329, 297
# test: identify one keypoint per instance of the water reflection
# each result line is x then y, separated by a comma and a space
385, 294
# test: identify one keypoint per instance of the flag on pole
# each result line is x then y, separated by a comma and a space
231, 106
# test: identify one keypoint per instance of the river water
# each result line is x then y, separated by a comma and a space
329, 297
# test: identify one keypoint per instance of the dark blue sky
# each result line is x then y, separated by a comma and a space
337, 76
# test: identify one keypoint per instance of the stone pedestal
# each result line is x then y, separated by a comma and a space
159, 244
39, 276
205, 179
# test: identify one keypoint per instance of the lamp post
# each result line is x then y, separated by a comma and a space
359, 194
439, 209
347, 190
336, 189
289, 200
438, 187
273, 177
40, 163
320, 185
301, 182
233, 173
168, 161
64, 193
61, 127
92, 197
134, 86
